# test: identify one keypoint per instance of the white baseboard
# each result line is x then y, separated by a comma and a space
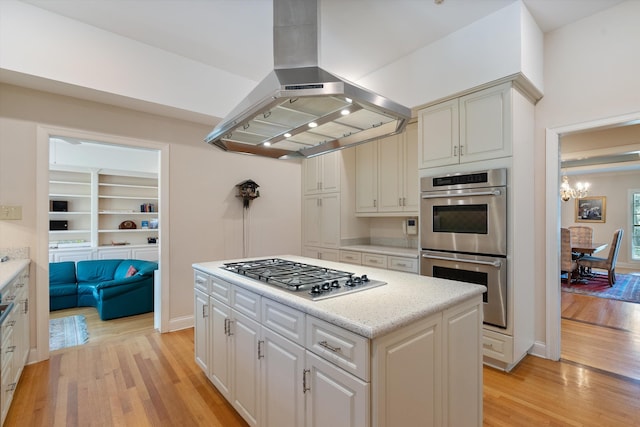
179, 323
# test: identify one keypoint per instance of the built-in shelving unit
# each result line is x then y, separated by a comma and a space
104, 209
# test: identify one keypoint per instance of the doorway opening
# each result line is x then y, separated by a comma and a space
554, 218
116, 174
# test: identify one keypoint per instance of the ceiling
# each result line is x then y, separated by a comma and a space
236, 35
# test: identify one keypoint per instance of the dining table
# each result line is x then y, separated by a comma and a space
588, 248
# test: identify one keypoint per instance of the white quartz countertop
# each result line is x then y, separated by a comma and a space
383, 250
10, 269
373, 312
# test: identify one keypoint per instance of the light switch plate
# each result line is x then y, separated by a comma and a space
10, 212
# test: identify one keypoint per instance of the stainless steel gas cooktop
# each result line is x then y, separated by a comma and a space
310, 281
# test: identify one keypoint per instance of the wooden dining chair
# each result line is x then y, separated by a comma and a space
608, 263
567, 262
580, 234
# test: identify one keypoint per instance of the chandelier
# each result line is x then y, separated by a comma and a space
566, 192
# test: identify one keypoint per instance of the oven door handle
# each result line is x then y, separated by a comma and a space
474, 193
496, 264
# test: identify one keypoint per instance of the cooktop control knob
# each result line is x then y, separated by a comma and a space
326, 286
315, 289
335, 284
364, 278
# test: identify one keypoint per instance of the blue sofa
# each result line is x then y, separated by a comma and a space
116, 287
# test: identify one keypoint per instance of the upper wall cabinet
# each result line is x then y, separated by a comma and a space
321, 174
387, 175
466, 129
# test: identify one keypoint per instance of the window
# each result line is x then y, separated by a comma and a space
635, 225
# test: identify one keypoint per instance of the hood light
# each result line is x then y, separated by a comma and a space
313, 124
345, 112
267, 144
287, 135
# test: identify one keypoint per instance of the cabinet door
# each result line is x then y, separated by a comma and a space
147, 254
462, 365
330, 172
201, 330
390, 171
485, 124
408, 368
311, 231
74, 255
411, 181
310, 172
245, 335
282, 372
438, 135
334, 397
220, 358
367, 177
330, 220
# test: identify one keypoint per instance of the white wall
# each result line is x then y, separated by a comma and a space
504, 43
591, 72
206, 219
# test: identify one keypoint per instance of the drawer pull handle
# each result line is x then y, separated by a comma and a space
488, 345
329, 346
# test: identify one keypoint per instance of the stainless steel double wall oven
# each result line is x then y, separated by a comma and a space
463, 234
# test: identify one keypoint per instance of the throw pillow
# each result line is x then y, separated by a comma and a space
131, 271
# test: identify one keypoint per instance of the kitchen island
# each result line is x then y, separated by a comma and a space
405, 353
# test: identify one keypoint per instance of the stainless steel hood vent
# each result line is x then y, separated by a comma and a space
299, 109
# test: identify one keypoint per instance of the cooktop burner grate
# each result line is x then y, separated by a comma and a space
320, 282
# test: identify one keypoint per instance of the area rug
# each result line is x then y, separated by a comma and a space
67, 332
626, 288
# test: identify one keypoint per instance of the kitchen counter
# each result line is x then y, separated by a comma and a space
10, 269
383, 250
370, 313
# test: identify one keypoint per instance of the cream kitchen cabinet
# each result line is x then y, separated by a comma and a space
14, 336
321, 174
321, 220
473, 127
390, 262
320, 253
387, 175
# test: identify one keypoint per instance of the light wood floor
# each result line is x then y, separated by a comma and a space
144, 378
600, 333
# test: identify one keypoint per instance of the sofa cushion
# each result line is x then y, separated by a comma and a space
143, 268
61, 290
62, 273
96, 271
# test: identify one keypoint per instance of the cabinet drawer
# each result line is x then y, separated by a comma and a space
344, 348
284, 320
201, 281
245, 302
220, 290
351, 257
409, 265
373, 260
497, 346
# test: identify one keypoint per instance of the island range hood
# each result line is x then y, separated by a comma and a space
300, 110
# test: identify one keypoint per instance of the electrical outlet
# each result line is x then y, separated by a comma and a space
10, 212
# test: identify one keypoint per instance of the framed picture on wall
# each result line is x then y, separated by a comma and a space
591, 209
